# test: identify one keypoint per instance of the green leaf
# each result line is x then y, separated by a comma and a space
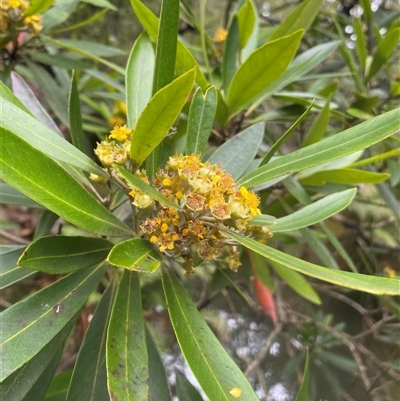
43, 180
85, 51
32, 323
75, 116
316, 212
261, 68
159, 390
355, 281
229, 57
200, 121
300, 66
38, 7
300, 18
345, 176
139, 78
60, 254
158, 116
385, 49
140, 185
45, 224
277, 145
89, 378
38, 390
102, 3
297, 283
166, 44
246, 22
304, 391
8, 95
58, 388
17, 385
10, 196
361, 47
342, 144
185, 390
25, 94
44, 139
236, 154
95, 48
263, 220
261, 269
10, 273
184, 58
52, 91
207, 358
318, 127
126, 352
135, 254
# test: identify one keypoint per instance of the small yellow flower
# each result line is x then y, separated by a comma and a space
220, 35
120, 133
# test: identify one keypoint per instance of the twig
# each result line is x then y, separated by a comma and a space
14, 238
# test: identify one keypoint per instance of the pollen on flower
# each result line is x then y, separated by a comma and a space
207, 199
120, 133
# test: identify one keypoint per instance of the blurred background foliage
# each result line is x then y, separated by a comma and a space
352, 337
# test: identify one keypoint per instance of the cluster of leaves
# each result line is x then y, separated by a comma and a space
233, 84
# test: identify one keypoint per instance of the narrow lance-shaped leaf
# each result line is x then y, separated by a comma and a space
16, 386
126, 351
236, 154
7, 94
52, 91
246, 21
30, 324
75, 116
300, 18
298, 68
43, 180
166, 44
261, 68
11, 196
60, 254
229, 57
158, 116
277, 145
10, 273
316, 212
44, 139
297, 283
201, 118
137, 183
355, 281
303, 394
38, 7
385, 49
86, 53
164, 66
334, 147
89, 378
318, 127
135, 254
159, 390
207, 358
35, 108
139, 78
184, 58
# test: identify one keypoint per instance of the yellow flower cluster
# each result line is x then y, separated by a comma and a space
208, 200
208, 197
12, 18
112, 152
